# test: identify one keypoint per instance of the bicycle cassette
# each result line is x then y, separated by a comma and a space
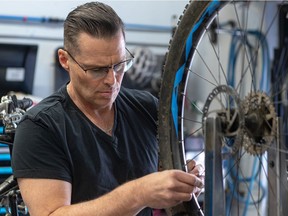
260, 123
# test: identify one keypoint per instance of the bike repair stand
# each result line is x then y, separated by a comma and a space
214, 203
214, 188
277, 175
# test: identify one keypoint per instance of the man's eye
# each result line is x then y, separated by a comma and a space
119, 67
99, 70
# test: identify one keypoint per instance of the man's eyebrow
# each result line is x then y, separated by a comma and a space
95, 66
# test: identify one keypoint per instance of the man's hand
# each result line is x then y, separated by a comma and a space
167, 188
199, 171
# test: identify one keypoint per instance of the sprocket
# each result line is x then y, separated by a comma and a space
260, 123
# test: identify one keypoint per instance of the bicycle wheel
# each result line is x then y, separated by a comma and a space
217, 106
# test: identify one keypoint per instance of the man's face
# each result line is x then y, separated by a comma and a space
94, 90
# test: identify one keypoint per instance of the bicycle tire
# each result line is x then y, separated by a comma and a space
195, 21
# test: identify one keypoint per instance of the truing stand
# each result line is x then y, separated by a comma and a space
214, 182
214, 203
277, 175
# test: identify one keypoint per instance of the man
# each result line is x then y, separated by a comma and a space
91, 147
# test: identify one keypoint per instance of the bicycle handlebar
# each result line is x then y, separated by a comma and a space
24, 103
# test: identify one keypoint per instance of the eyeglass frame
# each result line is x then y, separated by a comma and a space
106, 67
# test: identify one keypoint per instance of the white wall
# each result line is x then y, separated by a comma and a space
49, 37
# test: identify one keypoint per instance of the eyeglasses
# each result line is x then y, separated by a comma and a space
100, 72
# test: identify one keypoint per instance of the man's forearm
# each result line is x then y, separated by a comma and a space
124, 200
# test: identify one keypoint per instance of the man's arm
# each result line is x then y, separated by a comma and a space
46, 197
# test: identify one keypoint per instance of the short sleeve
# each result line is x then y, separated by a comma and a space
38, 153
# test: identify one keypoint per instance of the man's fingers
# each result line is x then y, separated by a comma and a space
198, 182
198, 170
190, 165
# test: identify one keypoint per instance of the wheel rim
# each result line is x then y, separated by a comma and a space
205, 69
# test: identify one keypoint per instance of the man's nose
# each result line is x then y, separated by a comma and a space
110, 76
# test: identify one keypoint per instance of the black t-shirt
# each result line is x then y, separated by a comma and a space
56, 140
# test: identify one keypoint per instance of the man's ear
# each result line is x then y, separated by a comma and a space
63, 59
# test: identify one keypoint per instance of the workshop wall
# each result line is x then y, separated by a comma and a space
153, 15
